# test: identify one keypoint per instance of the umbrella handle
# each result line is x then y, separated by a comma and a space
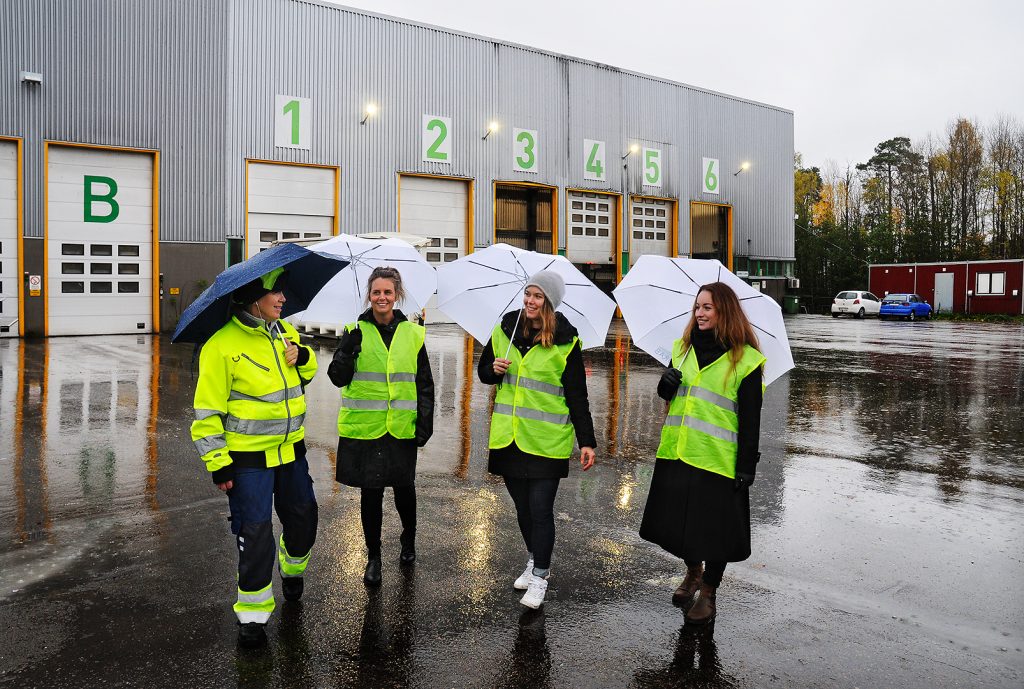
514, 328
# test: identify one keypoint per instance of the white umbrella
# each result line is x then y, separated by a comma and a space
477, 290
343, 298
657, 295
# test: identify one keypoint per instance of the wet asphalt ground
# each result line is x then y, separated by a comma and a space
888, 525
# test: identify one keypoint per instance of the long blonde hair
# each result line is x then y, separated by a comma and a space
546, 335
733, 328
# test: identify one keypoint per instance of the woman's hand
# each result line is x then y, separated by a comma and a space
291, 352
587, 457
226, 486
501, 366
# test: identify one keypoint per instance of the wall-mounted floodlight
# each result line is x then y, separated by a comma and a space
631, 150
32, 77
491, 128
369, 111
744, 166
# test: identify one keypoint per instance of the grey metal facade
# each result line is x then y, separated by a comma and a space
197, 79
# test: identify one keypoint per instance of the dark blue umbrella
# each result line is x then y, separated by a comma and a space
308, 272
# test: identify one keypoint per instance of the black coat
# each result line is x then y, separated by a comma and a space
511, 461
384, 461
699, 515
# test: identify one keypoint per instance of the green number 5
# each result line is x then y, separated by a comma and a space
652, 169
442, 134
528, 159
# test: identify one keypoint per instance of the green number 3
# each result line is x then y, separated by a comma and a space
710, 180
528, 159
442, 134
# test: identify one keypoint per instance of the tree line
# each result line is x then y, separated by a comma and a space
955, 197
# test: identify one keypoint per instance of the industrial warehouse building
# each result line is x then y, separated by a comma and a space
995, 286
144, 146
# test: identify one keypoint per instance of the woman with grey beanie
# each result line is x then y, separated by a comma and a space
535, 358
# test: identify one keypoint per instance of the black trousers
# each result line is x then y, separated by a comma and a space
371, 511
713, 571
535, 511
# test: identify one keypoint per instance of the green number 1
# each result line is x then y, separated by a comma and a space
710, 180
526, 139
292, 108
593, 164
442, 134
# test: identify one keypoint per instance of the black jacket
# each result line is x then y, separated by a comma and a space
511, 461
384, 461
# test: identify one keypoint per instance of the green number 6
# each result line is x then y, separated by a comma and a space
710, 180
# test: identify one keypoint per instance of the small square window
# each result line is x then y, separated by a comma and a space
649, 211
648, 235
268, 237
72, 268
101, 250
660, 236
448, 258
591, 232
648, 223
577, 231
577, 205
638, 235
638, 222
591, 219
637, 210
434, 256
128, 250
101, 268
591, 206
660, 224
127, 268
72, 287
602, 232
602, 219
127, 288
661, 213
577, 217
602, 207
435, 241
311, 235
451, 243
289, 235
101, 287
72, 249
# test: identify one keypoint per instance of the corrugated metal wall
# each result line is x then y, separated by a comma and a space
123, 73
197, 80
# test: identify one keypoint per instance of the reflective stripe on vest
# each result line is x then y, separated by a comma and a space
381, 398
529, 406
702, 426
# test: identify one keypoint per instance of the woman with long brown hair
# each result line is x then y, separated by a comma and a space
535, 358
698, 507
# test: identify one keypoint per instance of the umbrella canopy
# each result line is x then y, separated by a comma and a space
343, 298
657, 295
307, 273
477, 290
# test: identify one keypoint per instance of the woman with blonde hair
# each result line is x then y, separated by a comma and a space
387, 412
535, 358
698, 507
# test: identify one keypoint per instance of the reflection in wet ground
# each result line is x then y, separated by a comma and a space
887, 530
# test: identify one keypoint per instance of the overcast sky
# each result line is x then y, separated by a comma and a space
853, 73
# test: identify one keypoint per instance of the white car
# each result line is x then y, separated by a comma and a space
855, 303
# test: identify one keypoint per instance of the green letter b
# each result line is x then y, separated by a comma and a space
107, 198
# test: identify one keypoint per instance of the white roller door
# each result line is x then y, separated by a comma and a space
9, 239
288, 202
438, 210
650, 227
99, 241
591, 235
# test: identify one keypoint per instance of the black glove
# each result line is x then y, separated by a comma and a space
351, 344
744, 480
224, 474
422, 436
669, 383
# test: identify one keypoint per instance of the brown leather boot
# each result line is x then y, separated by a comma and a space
683, 596
703, 609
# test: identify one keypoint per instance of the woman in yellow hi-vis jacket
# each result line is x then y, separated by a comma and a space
249, 410
540, 406
698, 507
387, 412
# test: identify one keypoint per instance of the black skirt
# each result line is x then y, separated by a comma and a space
378, 463
511, 462
696, 514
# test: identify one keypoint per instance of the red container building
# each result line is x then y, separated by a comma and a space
959, 287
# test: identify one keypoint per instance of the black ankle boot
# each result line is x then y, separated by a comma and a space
371, 577
408, 555
252, 635
292, 587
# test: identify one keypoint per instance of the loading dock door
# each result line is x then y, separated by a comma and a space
944, 293
9, 239
650, 227
590, 240
438, 210
523, 216
99, 241
710, 228
288, 202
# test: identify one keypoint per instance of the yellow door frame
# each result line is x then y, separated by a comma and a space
617, 241
673, 242
20, 223
537, 185
46, 222
337, 194
470, 191
728, 254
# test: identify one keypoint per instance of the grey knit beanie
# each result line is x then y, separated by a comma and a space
551, 283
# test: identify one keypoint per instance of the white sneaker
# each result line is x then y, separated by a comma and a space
523, 582
534, 597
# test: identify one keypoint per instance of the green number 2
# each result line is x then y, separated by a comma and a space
529, 159
292, 108
593, 164
652, 169
710, 180
442, 134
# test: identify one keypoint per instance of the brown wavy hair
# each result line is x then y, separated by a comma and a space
546, 335
388, 273
733, 329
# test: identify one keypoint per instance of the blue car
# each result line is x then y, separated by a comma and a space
909, 306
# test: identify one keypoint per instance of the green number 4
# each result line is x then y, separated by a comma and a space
594, 163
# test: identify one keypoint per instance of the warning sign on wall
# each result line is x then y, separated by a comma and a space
35, 285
